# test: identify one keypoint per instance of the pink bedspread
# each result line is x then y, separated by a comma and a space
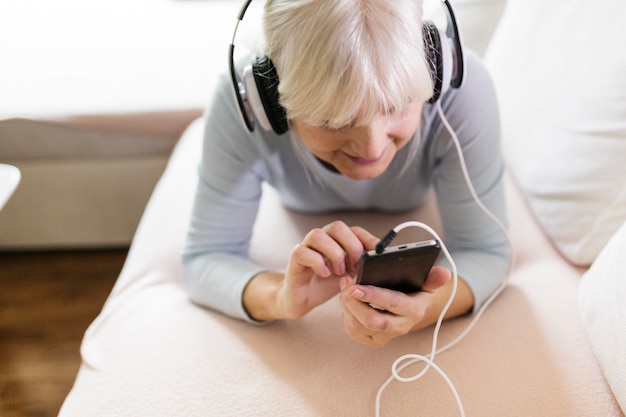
153, 353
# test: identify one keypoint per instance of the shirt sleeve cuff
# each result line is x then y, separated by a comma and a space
482, 272
218, 280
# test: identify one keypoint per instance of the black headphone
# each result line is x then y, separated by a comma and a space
257, 94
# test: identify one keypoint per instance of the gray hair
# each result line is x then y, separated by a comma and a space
344, 62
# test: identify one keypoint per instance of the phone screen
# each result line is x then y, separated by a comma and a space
401, 268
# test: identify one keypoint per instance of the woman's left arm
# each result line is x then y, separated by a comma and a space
477, 244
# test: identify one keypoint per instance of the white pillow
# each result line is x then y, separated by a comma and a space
477, 19
560, 74
602, 301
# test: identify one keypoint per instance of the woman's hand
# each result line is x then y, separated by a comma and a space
317, 264
399, 313
315, 267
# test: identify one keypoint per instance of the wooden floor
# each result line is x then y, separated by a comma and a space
47, 300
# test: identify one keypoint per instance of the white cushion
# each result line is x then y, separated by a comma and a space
90, 57
9, 178
559, 72
477, 20
602, 300
112, 56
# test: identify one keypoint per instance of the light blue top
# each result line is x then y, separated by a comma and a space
235, 163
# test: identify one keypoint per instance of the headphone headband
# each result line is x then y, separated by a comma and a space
258, 100
237, 84
454, 35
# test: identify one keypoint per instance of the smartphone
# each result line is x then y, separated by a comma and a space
401, 268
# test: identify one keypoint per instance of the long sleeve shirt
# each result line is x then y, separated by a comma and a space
235, 163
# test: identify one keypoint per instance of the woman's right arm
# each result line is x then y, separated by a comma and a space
216, 267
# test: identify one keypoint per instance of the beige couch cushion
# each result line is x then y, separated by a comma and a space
81, 186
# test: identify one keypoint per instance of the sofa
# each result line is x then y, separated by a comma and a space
94, 97
551, 344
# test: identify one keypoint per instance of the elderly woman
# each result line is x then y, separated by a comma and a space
353, 104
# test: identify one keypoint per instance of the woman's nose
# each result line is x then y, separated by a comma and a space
370, 141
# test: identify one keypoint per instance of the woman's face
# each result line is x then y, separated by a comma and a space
362, 152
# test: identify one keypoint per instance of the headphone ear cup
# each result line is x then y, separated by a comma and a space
439, 57
266, 83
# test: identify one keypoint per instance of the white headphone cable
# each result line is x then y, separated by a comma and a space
429, 359
489, 214
409, 359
